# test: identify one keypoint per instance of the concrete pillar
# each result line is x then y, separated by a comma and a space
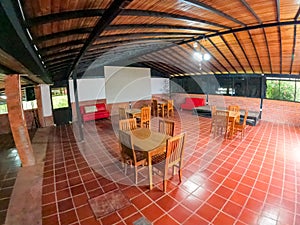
17, 119
38, 96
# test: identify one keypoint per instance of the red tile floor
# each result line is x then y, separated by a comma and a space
240, 181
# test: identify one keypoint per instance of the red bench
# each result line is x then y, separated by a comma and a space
93, 112
191, 103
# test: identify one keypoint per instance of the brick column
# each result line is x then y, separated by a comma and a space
17, 119
38, 96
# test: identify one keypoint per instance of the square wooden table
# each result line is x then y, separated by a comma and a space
133, 113
151, 142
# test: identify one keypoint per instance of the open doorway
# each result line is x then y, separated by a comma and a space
62, 112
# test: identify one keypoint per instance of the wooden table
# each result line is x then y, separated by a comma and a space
151, 142
133, 113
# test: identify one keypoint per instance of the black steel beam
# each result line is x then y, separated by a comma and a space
108, 16
157, 26
100, 12
268, 50
61, 45
243, 50
251, 11
294, 46
221, 53
256, 53
277, 10
213, 10
232, 52
297, 14
63, 34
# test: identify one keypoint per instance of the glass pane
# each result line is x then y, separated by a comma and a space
273, 89
298, 91
287, 90
59, 97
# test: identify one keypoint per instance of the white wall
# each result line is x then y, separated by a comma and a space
159, 85
88, 89
93, 89
46, 100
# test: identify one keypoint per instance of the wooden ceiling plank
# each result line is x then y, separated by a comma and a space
294, 46
221, 53
243, 50
108, 16
251, 11
213, 10
268, 50
232, 52
256, 53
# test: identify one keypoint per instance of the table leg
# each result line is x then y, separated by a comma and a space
150, 171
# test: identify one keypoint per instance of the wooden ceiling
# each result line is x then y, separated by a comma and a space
241, 36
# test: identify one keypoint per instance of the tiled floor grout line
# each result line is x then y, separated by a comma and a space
258, 173
243, 175
223, 179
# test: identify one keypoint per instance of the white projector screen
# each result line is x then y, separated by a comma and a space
127, 84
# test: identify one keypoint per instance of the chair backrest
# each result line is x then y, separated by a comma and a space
213, 109
221, 118
174, 150
127, 124
170, 104
234, 108
146, 113
126, 144
166, 127
245, 118
122, 114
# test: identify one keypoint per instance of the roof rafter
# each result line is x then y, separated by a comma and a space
213, 10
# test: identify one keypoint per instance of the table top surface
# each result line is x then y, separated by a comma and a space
133, 110
146, 140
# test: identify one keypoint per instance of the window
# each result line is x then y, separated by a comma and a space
281, 89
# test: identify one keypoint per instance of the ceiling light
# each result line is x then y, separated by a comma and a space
206, 57
198, 56
195, 44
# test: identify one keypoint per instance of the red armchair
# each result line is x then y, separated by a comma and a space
191, 103
93, 112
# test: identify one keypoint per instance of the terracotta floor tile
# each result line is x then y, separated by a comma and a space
50, 220
180, 213
192, 203
68, 217
195, 219
141, 201
166, 219
207, 212
110, 219
167, 203
65, 205
152, 212
222, 219
84, 211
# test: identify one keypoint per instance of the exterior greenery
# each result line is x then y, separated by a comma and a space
283, 90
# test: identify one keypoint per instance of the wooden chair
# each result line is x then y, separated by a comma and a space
127, 124
240, 127
221, 123
166, 127
170, 108
213, 114
234, 108
131, 156
154, 107
122, 114
173, 157
144, 120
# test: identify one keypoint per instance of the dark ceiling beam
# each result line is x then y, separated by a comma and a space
294, 46
297, 14
58, 59
61, 45
280, 48
146, 34
62, 53
108, 16
255, 50
160, 67
232, 52
213, 10
63, 62
63, 34
221, 53
121, 27
127, 12
243, 50
251, 11
277, 2
268, 50
248, 28
157, 26
66, 15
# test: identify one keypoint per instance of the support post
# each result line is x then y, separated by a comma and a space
79, 118
17, 120
262, 93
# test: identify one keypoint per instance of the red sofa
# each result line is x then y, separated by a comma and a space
93, 112
191, 103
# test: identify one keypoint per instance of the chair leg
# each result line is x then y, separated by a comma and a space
165, 182
180, 175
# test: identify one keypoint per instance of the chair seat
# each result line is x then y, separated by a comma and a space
157, 159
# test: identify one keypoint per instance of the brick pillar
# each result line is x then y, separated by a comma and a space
38, 96
17, 119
